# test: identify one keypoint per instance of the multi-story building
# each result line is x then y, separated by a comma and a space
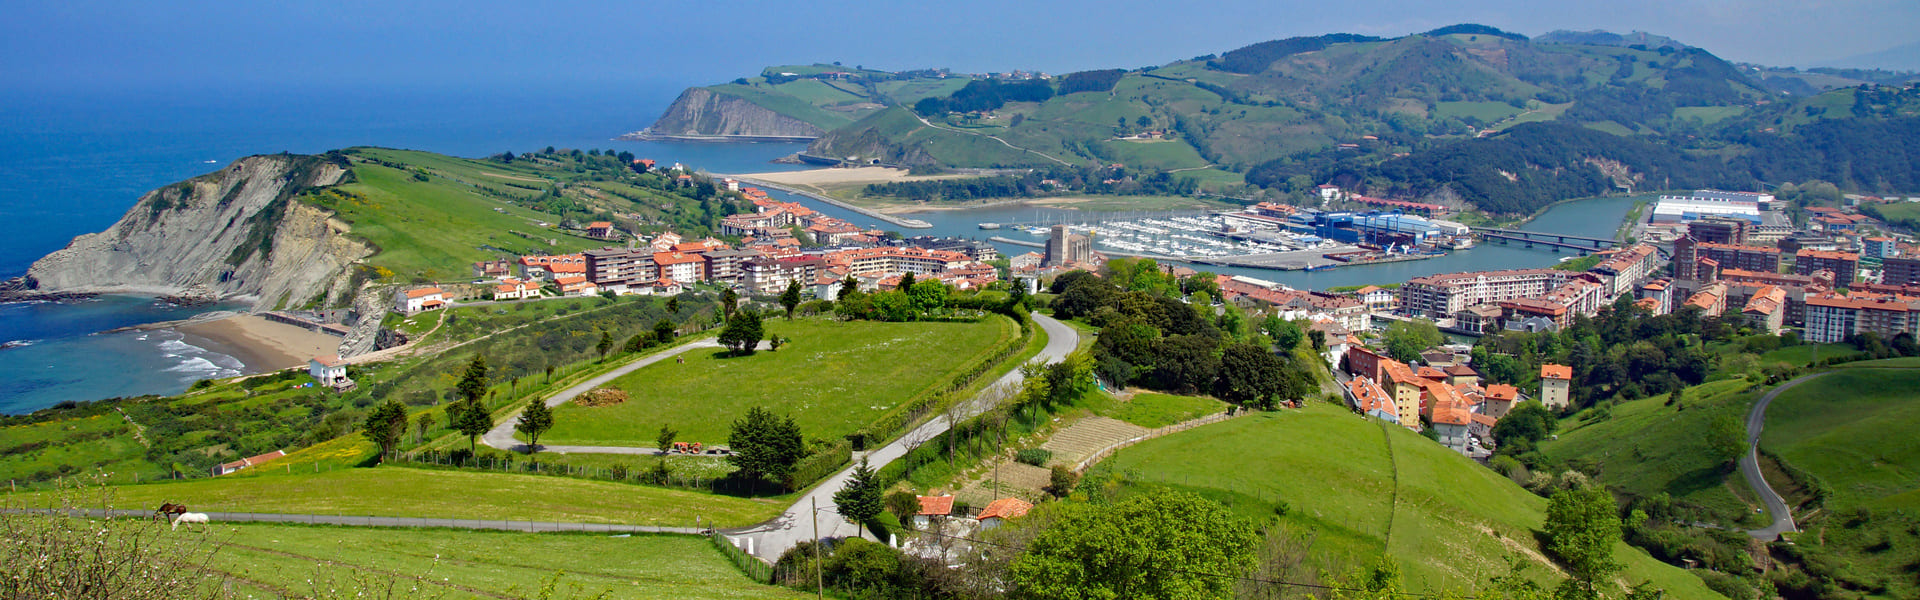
1879, 247
1556, 385
1845, 265
1746, 258
1625, 268
723, 266
680, 267
1575, 297
768, 275
1832, 317
1766, 309
620, 267
1900, 270
1440, 296
899, 259
1719, 230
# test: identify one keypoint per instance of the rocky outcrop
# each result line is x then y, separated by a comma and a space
704, 112
239, 233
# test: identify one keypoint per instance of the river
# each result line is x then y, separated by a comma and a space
1593, 217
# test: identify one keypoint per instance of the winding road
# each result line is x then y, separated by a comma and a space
767, 540
924, 121
501, 436
1750, 466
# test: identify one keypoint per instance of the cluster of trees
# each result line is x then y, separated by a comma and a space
1090, 81
1257, 57
1150, 336
920, 299
985, 95
1116, 180
1621, 351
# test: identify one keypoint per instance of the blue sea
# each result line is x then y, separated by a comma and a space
73, 162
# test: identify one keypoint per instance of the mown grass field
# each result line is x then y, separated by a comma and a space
833, 378
1153, 410
407, 492
1852, 432
281, 560
1646, 447
1366, 489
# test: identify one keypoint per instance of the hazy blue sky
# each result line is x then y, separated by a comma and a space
115, 44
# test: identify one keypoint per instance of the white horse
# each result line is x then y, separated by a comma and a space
192, 517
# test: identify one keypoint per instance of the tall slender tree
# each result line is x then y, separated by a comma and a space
472, 419
473, 384
790, 299
385, 425
860, 500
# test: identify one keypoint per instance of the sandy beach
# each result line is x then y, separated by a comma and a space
261, 344
819, 177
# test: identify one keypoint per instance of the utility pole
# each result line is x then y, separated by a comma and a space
819, 577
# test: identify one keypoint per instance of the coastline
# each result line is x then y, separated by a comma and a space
259, 344
897, 221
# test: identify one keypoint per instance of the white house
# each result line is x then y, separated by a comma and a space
932, 509
999, 511
515, 289
330, 371
416, 300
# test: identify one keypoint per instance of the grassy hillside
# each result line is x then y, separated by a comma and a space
284, 559
407, 492
1365, 490
1647, 447
834, 378
1850, 431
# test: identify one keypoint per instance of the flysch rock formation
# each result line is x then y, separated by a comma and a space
239, 233
700, 111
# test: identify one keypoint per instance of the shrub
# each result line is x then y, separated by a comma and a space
1034, 456
1061, 482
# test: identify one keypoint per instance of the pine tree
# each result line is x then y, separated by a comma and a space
534, 421
860, 500
385, 425
472, 419
790, 298
473, 384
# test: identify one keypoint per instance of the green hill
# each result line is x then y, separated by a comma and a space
1416, 116
1365, 489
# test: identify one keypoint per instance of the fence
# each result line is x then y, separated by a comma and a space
1103, 453
753, 567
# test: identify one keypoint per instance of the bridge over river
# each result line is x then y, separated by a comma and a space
1580, 243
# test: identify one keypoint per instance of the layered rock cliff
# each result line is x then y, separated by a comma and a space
239, 233
700, 111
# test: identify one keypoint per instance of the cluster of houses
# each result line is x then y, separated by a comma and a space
1445, 395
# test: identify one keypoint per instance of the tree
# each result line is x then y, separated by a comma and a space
423, 425
1726, 438
1253, 376
1155, 545
848, 286
743, 332
860, 500
730, 301
664, 440
471, 419
673, 305
1406, 339
663, 331
385, 424
534, 421
904, 505
765, 445
1582, 527
605, 345
1524, 426
473, 384
906, 281
790, 299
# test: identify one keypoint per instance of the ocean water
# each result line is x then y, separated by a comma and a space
75, 161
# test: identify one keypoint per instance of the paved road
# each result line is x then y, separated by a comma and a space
771, 538
502, 434
529, 526
1750, 466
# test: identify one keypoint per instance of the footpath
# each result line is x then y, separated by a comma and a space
360, 521
1750, 466
767, 540
501, 436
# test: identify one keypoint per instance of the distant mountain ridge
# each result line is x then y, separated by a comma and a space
1274, 112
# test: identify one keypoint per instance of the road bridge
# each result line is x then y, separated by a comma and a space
1555, 240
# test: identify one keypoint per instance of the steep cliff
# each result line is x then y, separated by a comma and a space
239, 233
700, 111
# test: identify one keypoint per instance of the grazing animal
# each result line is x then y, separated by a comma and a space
168, 510
190, 517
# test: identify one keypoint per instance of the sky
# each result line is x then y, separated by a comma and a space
79, 44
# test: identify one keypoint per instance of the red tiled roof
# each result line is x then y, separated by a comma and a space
1501, 391
423, 292
330, 360
1556, 372
936, 505
1006, 508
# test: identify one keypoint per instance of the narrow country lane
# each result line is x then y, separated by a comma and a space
501, 436
1750, 466
773, 537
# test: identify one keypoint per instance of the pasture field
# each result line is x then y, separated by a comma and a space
1850, 432
834, 378
1646, 448
1486, 111
407, 492
1365, 489
1154, 410
285, 560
